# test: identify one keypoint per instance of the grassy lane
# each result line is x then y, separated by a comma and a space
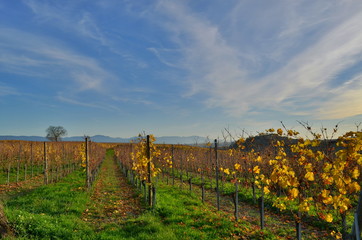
116, 211
113, 200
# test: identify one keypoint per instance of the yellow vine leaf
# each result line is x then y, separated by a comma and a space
304, 206
355, 173
294, 192
309, 176
256, 170
328, 217
336, 235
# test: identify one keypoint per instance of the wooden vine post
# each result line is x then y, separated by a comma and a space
202, 185
236, 212
181, 169
25, 168
190, 183
298, 226
88, 183
217, 177
357, 223
149, 177
261, 210
45, 164
211, 164
173, 165
18, 164
64, 166
31, 159
8, 173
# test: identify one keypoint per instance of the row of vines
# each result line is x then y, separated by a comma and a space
24, 160
307, 178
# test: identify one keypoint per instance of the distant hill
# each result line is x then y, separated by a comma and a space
102, 138
181, 140
263, 142
25, 138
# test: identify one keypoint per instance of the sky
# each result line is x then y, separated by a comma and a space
179, 68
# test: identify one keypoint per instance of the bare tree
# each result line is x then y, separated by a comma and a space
56, 133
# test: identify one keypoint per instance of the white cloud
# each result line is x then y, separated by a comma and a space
42, 56
11, 59
285, 56
6, 90
89, 103
72, 19
213, 65
132, 100
87, 81
346, 101
165, 56
44, 11
311, 73
306, 67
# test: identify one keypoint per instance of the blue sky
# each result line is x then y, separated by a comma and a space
120, 67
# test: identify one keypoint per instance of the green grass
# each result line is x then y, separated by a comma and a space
50, 212
246, 195
26, 173
147, 226
55, 211
13, 174
188, 217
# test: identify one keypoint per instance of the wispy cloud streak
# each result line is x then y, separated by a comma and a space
90, 104
43, 56
6, 90
305, 74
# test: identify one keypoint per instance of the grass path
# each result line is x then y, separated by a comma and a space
113, 200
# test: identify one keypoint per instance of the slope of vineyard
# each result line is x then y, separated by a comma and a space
305, 178
289, 186
65, 210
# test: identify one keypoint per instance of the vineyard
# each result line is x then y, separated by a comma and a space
302, 177
22, 160
314, 184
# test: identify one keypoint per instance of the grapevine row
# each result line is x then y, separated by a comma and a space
24, 160
306, 177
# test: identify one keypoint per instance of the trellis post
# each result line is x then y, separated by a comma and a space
173, 165
356, 234
149, 180
45, 164
217, 177
87, 162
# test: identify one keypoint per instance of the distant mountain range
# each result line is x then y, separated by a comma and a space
102, 138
